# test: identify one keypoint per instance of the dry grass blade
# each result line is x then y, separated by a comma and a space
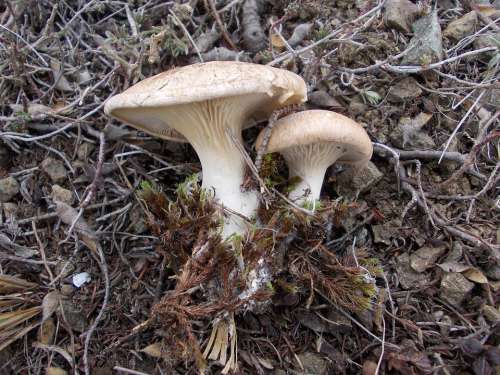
9, 320
12, 284
8, 337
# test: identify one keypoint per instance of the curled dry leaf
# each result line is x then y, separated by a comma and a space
46, 332
277, 41
61, 82
154, 350
471, 273
453, 267
57, 349
68, 215
56, 371
50, 304
475, 275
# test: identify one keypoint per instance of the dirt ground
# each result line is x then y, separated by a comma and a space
102, 226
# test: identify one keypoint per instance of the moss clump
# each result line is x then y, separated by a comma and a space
285, 253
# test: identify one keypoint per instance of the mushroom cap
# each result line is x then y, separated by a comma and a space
203, 82
320, 126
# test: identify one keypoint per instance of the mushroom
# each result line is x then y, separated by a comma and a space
205, 102
311, 141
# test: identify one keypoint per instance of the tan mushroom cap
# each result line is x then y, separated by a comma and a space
320, 126
203, 82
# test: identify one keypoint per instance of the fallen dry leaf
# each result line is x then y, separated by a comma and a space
154, 350
11, 284
475, 275
50, 304
46, 332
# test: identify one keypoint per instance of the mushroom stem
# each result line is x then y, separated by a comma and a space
205, 125
224, 176
310, 162
309, 188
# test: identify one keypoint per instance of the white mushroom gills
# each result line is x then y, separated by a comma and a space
206, 125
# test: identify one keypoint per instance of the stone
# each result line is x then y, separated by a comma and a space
67, 290
62, 195
357, 106
312, 321
425, 257
84, 150
336, 323
408, 277
426, 44
55, 371
9, 187
404, 90
366, 318
322, 99
409, 133
491, 39
137, 221
313, 363
340, 323
446, 4
352, 181
55, 169
399, 14
491, 313
455, 288
493, 272
461, 27
456, 253
383, 233
369, 368
9, 210
74, 316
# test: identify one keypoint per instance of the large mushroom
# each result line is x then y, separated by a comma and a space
205, 102
310, 142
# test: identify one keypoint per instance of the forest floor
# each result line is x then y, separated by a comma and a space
398, 272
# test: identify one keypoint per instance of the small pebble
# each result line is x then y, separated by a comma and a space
9, 187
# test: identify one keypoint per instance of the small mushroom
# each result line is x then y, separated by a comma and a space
311, 141
205, 102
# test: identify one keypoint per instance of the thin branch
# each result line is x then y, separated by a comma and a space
88, 335
408, 69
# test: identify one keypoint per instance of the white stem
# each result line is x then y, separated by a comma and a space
205, 125
309, 188
224, 177
310, 162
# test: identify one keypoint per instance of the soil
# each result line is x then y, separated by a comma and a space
110, 259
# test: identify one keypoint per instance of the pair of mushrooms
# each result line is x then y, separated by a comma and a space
208, 102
